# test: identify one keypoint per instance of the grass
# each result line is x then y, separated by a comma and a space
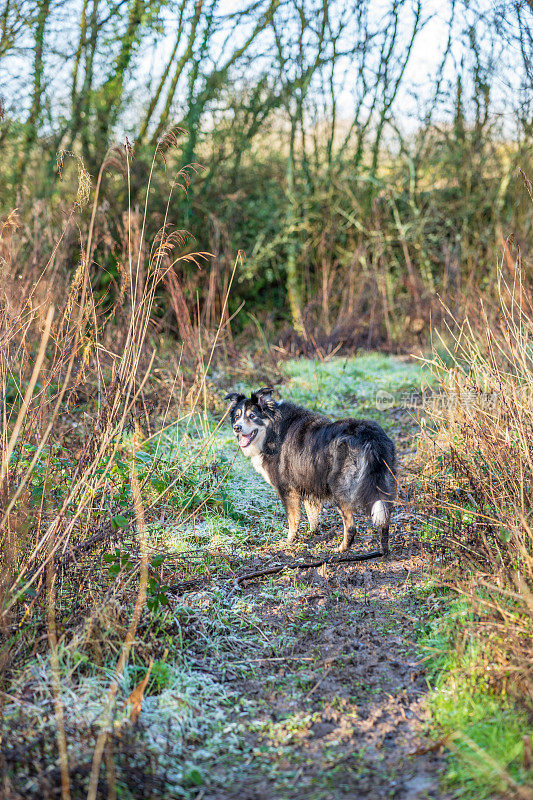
350, 386
204, 510
477, 475
184, 709
483, 729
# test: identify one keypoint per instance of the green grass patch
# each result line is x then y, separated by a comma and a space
367, 385
483, 729
344, 386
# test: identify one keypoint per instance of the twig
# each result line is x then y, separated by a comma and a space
317, 684
308, 565
184, 586
196, 583
326, 662
269, 658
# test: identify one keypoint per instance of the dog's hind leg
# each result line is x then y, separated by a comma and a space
349, 528
380, 514
292, 504
384, 535
312, 509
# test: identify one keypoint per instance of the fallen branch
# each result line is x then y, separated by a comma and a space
197, 583
326, 662
308, 565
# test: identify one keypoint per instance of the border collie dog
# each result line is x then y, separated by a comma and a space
305, 456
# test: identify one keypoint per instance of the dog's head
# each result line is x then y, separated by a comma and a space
251, 417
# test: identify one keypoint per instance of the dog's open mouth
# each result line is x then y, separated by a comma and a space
247, 438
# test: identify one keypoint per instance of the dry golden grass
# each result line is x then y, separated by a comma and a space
478, 474
56, 339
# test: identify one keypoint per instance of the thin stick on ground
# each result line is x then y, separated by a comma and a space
309, 565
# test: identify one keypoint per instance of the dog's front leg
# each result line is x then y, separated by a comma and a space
312, 509
292, 505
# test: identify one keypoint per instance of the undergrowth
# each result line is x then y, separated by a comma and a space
477, 483
482, 730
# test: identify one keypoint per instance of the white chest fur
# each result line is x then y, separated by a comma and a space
257, 464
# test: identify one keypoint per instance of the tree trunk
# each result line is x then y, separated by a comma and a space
30, 134
294, 293
110, 95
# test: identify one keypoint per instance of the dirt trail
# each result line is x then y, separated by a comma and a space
332, 703
341, 688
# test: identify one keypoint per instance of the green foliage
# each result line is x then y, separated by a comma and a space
193, 777
120, 562
347, 223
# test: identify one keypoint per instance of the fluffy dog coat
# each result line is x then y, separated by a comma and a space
307, 457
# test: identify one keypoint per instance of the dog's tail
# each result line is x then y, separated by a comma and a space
373, 459
380, 514
378, 482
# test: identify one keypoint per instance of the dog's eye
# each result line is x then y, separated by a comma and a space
251, 416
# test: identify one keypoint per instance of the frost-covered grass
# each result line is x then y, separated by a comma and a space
213, 503
347, 386
184, 719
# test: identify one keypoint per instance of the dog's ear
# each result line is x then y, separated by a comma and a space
265, 393
264, 400
235, 398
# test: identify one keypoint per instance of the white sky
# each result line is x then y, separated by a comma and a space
417, 87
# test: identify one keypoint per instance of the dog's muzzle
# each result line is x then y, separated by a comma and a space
247, 438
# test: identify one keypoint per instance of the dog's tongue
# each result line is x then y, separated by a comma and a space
244, 439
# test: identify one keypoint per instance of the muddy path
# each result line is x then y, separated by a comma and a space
337, 691
330, 700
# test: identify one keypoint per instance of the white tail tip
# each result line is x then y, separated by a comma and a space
380, 514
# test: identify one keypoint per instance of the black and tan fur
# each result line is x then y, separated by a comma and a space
307, 457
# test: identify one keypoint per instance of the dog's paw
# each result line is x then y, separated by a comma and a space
288, 543
341, 549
